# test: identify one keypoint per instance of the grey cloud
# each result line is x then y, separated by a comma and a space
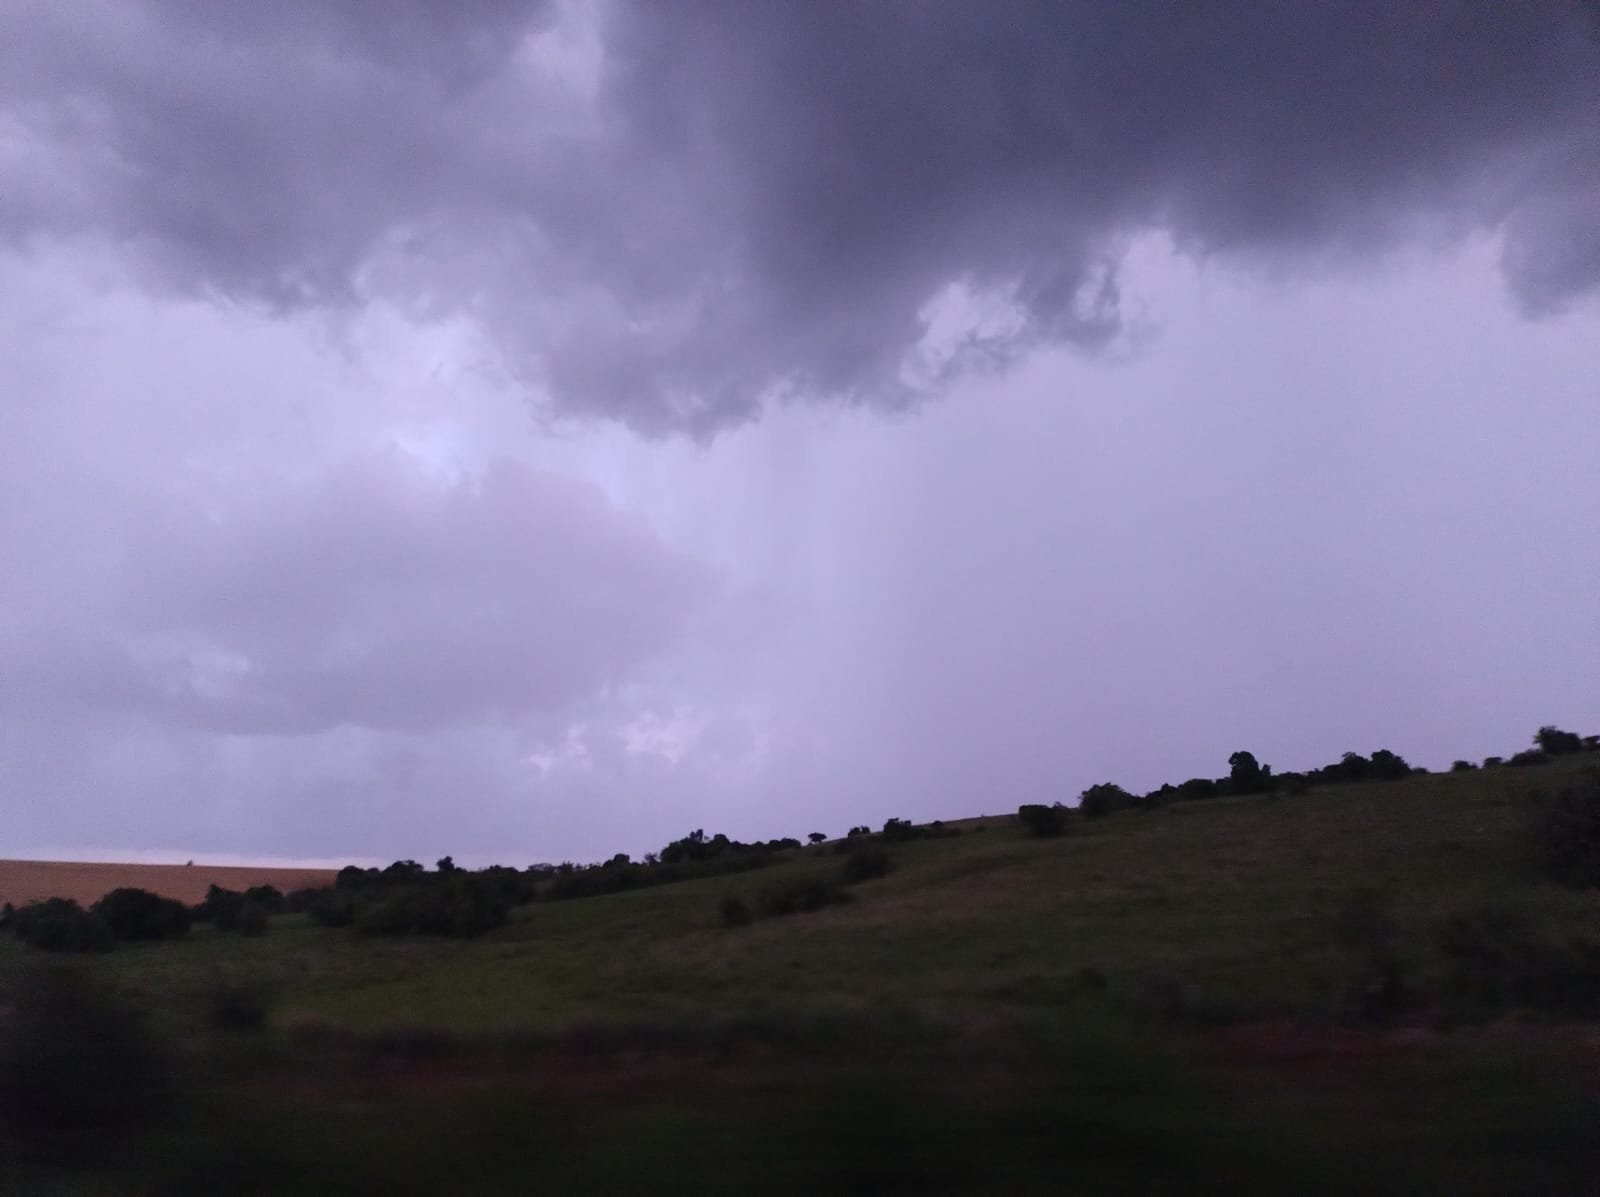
236, 614
368, 597
762, 197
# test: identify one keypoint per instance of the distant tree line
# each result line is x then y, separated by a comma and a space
407, 898
1246, 775
62, 925
694, 856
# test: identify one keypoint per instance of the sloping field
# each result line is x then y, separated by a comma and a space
1196, 998
30, 880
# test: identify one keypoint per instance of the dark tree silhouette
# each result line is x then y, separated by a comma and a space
1556, 742
1041, 820
1246, 775
1389, 766
1104, 799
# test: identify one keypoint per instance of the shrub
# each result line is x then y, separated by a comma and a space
300, 901
464, 906
513, 886
1462, 767
866, 863
1198, 787
252, 919
61, 925
333, 908
1105, 798
1486, 950
1555, 742
220, 907
899, 831
268, 897
801, 896
1292, 783
234, 1005
1569, 828
1367, 930
1531, 756
1041, 820
139, 914
1388, 766
354, 877
388, 916
1497, 960
74, 1059
735, 912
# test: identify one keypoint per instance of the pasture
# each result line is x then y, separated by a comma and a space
1243, 989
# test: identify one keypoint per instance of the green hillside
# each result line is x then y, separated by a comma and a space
1368, 984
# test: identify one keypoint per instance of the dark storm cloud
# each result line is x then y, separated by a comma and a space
763, 196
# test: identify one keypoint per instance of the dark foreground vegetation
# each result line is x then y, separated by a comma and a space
1354, 981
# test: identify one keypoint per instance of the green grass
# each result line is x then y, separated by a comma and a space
968, 981
1236, 897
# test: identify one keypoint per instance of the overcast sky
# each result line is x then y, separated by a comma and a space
532, 431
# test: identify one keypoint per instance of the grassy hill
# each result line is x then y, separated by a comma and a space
1330, 983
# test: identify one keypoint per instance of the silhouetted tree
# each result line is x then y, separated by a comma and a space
268, 897
1159, 797
1041, 820
220, 908
354, 877
899, 830
1352, 766
1529, 756
1245, 774
816, 837
1555, 742
1387, 766
61, 925
1103, 799
403, 872
139, 914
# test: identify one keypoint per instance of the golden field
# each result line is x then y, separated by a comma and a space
29, 880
